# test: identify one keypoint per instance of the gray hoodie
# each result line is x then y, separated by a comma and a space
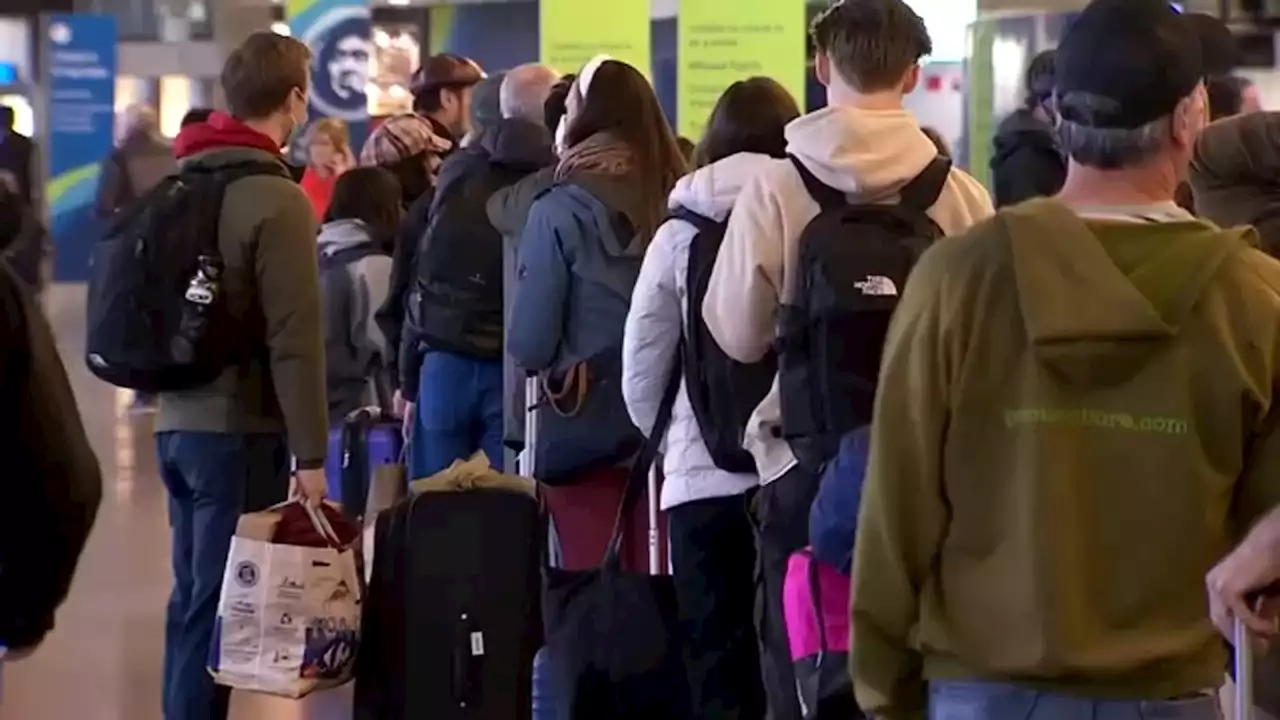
355, 274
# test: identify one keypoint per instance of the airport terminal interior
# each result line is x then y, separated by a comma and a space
103, 662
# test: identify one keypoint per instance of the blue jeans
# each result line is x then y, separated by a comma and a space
459, 411
971, 700
212, 478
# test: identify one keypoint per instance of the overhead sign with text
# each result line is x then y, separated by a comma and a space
721, 43
571, 32
79, 53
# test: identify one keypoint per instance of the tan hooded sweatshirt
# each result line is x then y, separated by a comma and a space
868, 154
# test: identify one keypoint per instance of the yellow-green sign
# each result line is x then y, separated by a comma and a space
571, 32
723, 42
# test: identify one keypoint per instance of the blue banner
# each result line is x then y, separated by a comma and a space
340, 35
79, 62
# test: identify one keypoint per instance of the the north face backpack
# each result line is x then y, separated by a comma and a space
157, 313
722, 391
854, 260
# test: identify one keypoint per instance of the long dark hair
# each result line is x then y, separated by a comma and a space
621, 103
750, 116
555, 106
370, 195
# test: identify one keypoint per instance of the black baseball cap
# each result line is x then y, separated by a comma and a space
1125, 63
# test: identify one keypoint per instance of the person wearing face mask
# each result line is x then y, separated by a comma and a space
224, 449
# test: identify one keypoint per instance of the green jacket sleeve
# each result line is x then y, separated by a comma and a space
903, 516
288, 275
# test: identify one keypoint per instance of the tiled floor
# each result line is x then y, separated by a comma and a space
103, 661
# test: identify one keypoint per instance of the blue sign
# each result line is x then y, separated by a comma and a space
339, 33
79, 61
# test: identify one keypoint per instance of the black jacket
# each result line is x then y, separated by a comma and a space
1026, 162
456, 302
390, 316
52, 481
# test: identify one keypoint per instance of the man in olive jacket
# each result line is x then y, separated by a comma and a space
223, 448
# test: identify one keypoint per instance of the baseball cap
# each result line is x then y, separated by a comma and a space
1125, 63
400, 137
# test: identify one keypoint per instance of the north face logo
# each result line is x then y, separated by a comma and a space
878, 285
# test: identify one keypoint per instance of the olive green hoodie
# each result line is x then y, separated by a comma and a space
1073, 423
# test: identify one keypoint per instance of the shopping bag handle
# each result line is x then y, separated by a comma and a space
321, 524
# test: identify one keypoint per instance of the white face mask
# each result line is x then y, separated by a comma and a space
562, 129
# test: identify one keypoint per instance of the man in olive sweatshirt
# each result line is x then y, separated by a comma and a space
1076, 416
222, 448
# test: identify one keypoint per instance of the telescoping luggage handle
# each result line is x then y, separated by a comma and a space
1242, 698
641, 478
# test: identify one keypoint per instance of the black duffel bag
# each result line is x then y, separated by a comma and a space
613, 637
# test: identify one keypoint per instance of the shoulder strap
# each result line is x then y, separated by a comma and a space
923, 191
698, 220
349, 255
827, 197
638, 479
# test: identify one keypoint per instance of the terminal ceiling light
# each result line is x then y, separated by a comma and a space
280, 28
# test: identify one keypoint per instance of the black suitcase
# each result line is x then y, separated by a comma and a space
453, 616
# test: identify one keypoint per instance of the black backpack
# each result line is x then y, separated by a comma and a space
723, 392
854, 260
157, 312
458, 302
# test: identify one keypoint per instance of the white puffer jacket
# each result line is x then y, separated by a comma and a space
655, 323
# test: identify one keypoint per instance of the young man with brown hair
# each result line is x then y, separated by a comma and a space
868, 147
223, 448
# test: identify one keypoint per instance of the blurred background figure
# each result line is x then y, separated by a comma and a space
142, 158
24, 240
1026, 161
328, 156
1232, 95
17, 155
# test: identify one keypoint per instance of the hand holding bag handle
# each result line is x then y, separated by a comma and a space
638, 479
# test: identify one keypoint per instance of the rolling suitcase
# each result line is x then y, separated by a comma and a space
365, 441
452, 617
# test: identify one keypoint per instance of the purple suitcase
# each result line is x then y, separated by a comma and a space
363, 434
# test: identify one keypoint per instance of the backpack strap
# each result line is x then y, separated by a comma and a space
349, 255
827, 197
922, 191
699, 221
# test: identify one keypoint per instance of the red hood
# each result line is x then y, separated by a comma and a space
221, 131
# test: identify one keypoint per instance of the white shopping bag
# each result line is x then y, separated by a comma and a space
289, 616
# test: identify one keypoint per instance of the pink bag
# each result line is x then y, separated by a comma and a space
815, 602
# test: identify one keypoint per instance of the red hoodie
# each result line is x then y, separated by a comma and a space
221, 131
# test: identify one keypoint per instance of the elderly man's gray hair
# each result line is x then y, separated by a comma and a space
524, 91
1110, 148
